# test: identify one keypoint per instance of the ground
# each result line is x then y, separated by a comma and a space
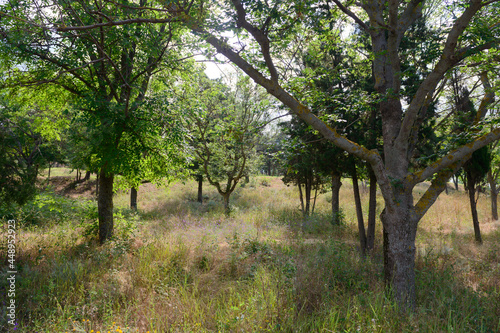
181, 266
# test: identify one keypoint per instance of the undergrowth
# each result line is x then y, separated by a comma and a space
181, 266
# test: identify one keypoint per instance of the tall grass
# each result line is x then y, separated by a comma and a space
181, 266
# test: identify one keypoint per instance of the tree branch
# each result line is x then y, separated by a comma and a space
259, 36
448, 59
438, 185
454, 157
353, 16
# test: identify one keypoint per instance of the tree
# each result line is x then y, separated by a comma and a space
224, 126
30, 128
107, 70
271, 26
386, 22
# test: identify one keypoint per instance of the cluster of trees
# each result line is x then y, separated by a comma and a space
400, 91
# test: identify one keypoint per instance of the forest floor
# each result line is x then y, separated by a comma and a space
180, 266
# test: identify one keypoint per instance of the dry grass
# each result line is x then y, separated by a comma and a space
179, 266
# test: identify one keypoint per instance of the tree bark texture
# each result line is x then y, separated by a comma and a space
400, 230
133, 198
105, 205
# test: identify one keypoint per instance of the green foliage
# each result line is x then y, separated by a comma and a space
29, 135
224, 124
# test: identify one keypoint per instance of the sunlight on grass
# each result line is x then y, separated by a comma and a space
180, 266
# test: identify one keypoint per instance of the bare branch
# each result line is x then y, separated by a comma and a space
352, 15
110, 24
259, 36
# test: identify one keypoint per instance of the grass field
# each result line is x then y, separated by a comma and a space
181, 266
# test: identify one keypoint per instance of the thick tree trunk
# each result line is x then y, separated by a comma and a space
336, 184
105, 205
87, 176
97, 186
471, 188
359, 210
227, 208
133, 198
200, 188
372, 210
399, 251
493, 196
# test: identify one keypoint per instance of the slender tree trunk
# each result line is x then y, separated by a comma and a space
493, 196
105, 205
200, 188
87, 176
48, 177
359, 210
372, 210
336, 184
314, 200
301, 199
133, 198
308, 194
471, 188
455, 181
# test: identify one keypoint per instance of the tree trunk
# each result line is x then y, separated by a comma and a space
105, 205
471, 188
455, 181
87, 176
359, 210
48, 177
133, 198
97, 186
372, 210
227, 208
400, 230
301, 196
494, 196
315, 197
336, 184
200, 188
307, 191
